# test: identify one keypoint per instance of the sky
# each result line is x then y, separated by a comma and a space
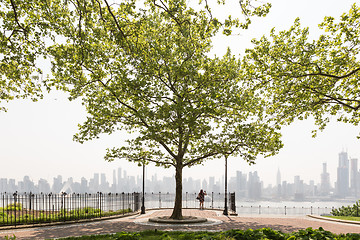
36, 137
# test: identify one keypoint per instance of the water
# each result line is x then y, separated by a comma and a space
287, 207
166, 200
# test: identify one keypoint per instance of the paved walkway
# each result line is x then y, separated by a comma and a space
218, 222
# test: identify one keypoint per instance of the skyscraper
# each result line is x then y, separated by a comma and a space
113, 186
342, 184
119, 181
325, 181
278, 183
354, 177
254, 186
278, 178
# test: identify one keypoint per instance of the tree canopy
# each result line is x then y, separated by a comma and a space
302, 77
144, 68
21, 45
149, 72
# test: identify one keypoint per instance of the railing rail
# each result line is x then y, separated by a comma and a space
283, 210
28, 208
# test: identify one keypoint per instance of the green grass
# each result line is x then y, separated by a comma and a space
249, 234
7, 217
345, 218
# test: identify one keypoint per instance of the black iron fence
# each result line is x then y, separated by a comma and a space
29, 208
283, 210
166, 200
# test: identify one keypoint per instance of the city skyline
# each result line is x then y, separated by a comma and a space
245, 185
36, 138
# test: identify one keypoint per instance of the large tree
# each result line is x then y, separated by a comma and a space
22, 32
150, 72
303, 77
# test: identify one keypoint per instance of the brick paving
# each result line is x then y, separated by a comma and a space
282, 223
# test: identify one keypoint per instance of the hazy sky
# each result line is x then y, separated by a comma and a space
36, 138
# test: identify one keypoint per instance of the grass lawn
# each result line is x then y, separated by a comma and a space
345, 218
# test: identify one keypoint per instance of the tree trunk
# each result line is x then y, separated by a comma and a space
177, 212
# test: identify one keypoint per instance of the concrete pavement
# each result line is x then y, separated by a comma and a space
217, 222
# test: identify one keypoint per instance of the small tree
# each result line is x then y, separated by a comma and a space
302, 77
150, 73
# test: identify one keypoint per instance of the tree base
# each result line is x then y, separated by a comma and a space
185, 220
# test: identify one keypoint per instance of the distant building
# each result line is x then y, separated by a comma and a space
342, 184
57, 184
254, 186
43, 186
119, 179
3, 184
354, 177
299, 188
325, 181
278, 183
241, 184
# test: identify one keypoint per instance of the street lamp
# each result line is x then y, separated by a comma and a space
226, 207
143, 192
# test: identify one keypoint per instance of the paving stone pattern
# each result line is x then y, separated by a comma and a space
131, 223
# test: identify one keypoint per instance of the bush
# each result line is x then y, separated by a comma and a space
13, 207
348, 211
258, 234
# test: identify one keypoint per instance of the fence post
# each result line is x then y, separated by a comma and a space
100, 194
30, 201
123, 201
15, 205
212, 200
136, 201
233, 202
3, 207
285, 210
159, 199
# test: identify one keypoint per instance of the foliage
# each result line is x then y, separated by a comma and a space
30, 28
33, 217
149, 72
303, 77
23, 29
13, 237
249, 234
13, 207
144, 68
310, 233
351, 211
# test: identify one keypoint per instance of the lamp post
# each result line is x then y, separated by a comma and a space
143, 192
226, 207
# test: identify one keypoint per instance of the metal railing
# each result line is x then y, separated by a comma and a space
28, 208
166, 200
283, 210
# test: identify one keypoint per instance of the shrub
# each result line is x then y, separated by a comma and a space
348, 211
13, 207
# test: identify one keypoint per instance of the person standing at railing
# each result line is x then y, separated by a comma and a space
201, 198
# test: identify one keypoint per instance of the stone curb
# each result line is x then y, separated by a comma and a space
39, 225
334, 219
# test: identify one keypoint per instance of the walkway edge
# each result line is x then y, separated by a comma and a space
39, 225
334, 219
